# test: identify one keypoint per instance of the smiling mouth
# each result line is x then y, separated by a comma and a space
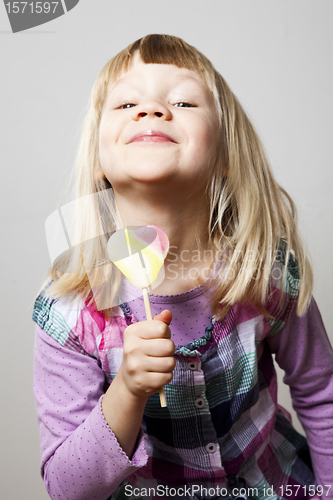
151, 136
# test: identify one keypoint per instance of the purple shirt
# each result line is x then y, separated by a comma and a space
81, 458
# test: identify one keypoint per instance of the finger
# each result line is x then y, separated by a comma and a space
165, 316
150, 329
152, 381
156, 329
159, 347
161, 365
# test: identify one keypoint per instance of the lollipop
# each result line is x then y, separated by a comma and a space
139, 253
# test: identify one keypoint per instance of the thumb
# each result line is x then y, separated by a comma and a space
165, 316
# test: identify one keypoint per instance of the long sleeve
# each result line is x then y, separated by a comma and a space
81, 458
304, 352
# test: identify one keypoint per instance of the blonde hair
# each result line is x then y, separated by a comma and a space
249, 212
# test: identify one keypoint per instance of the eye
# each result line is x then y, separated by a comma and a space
127, 105
183, 104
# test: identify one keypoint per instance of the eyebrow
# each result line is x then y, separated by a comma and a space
180, 80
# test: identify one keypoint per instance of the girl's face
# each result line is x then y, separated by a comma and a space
158, 126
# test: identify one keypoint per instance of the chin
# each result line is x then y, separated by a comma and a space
151, 179
152, 171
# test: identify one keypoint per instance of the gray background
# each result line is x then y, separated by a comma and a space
277, 57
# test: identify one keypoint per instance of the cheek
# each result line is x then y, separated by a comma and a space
205, 138
105, 132
104, 156
105, 143
206, 148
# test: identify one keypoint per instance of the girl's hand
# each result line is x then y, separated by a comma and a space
148, 360
147, 365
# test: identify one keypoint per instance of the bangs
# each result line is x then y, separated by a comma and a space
166, 49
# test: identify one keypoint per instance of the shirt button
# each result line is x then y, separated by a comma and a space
211, 447
192, 365
199, 403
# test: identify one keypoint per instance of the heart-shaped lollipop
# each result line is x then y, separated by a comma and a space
139, 253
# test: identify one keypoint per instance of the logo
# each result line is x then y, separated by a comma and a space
25, 15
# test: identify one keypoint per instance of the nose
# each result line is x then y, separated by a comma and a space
152, 109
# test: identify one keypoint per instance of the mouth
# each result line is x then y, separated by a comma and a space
151, 136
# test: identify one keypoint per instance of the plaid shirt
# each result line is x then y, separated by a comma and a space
222, 422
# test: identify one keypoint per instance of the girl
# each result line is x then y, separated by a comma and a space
167, 143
